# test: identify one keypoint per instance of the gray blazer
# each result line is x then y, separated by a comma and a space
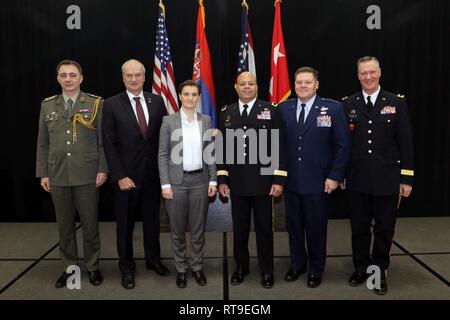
171, 172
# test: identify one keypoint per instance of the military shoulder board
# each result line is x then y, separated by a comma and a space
50, 98
94, 96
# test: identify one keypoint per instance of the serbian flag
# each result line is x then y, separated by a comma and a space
246, 58
202, 73
280, 88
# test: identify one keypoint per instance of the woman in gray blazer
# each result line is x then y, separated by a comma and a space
188, 176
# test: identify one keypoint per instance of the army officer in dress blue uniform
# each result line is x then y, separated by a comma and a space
381, 169
318, 146
252, 182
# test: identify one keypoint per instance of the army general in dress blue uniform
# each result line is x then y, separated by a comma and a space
252, 181
318, 146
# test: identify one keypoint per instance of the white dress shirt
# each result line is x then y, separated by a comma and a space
192, 142
250, 105
373, 96
133, 104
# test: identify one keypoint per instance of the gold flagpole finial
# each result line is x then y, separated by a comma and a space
275, 3
245, 4
163, 8
202, 8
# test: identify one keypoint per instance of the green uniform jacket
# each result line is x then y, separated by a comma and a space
65, 160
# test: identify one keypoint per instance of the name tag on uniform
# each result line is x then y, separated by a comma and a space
388, 110
85, 110
264, 115
324, 121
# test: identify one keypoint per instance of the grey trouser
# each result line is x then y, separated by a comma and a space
188, 206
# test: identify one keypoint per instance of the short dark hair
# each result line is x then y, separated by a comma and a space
307, 70
189, 83
69, 62
366, 59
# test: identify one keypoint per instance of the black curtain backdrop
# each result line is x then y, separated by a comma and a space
328, 35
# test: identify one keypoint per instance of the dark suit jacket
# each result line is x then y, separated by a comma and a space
246, 179
320, 150
382, 154
127, 152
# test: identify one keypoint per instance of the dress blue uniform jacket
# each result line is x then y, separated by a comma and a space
320, 150
382, 153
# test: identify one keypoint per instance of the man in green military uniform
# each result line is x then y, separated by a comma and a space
71, 164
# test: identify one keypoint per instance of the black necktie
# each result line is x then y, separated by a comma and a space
301, 118
244, 113
369, 103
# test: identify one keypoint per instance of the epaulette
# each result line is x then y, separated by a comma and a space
344, 98
401, 96
329, 100
50, 98
223, 108
93, 96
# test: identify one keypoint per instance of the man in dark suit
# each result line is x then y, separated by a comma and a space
131, 123
381, 169
318, 146
251, 181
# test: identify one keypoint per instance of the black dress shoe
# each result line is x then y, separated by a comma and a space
267, 280
313, 281
383, 285
293, 275
159, 268
357, 278
62, 280
128, 281
239, 274
95, 277
199, 277
181, 280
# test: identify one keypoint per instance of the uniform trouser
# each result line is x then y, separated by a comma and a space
307, 215
129, 205
363, 209
241, 208
188, 206
83, 199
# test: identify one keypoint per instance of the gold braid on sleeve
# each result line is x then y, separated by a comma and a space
87, 123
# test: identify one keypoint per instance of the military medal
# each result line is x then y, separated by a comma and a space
388, 110
324, 121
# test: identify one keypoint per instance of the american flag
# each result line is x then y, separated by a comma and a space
163, 75
246, 58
